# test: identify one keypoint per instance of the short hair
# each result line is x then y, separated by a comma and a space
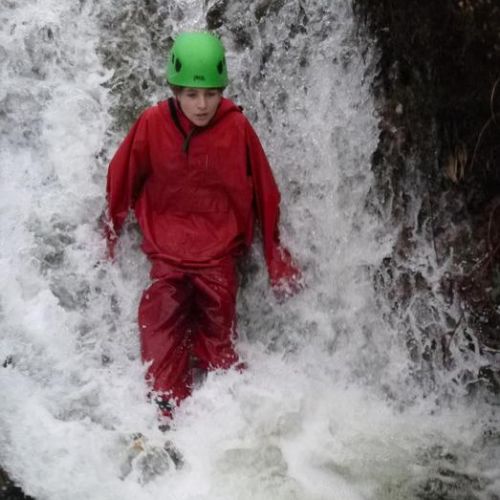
176, 89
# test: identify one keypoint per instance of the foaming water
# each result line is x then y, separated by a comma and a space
322, 412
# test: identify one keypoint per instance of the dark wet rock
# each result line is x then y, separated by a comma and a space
437, 166
8, 490
51, 242
8, 361
265, 7
215, 15
448, 478
135, 46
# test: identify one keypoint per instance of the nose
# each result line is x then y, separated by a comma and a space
202, 101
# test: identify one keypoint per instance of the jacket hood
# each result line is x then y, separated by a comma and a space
226, 106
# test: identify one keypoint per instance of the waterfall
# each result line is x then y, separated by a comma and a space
331, 406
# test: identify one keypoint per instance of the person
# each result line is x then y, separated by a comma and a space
194, 171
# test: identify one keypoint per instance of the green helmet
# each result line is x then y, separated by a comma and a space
197, 60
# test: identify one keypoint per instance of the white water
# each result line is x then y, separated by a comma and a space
311, 418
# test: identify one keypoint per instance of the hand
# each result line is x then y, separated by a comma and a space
286, 277
109, 234
110, 247
288, 286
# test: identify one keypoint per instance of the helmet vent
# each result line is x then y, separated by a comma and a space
220, 67
178, 65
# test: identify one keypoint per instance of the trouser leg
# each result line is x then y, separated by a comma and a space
215, 292
164, 322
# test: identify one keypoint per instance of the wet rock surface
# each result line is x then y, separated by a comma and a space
8, 490
438, 96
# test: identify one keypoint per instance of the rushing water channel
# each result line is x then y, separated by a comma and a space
329, 407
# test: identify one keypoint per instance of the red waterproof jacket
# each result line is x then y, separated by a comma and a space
196, 192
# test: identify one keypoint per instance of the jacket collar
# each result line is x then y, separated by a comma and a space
187, 128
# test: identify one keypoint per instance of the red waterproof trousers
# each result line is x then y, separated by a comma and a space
184, 313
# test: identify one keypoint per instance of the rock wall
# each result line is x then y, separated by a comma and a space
8, 490
437, 171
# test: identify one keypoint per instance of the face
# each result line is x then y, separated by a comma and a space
199, 105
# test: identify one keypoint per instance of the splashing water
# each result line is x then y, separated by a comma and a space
323, 412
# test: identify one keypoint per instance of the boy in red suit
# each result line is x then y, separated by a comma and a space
195, 173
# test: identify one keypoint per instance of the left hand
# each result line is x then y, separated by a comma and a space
288, 285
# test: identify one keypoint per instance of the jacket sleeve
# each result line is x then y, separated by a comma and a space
126, 175
279, 262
